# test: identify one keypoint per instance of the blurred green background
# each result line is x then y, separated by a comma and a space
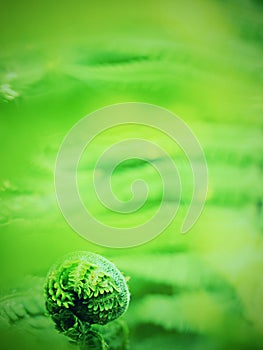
203, 60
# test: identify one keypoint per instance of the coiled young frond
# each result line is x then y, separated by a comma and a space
82, 290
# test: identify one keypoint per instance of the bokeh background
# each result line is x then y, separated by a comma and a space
202, 60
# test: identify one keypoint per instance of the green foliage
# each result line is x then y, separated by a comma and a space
201, 60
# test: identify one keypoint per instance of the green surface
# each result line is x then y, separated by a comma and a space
203, 61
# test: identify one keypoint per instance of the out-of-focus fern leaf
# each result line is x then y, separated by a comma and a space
183, 270
199, 312
25, 302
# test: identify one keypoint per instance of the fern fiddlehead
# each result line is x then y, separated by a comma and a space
82, 290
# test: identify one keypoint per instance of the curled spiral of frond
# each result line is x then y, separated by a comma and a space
85, 289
